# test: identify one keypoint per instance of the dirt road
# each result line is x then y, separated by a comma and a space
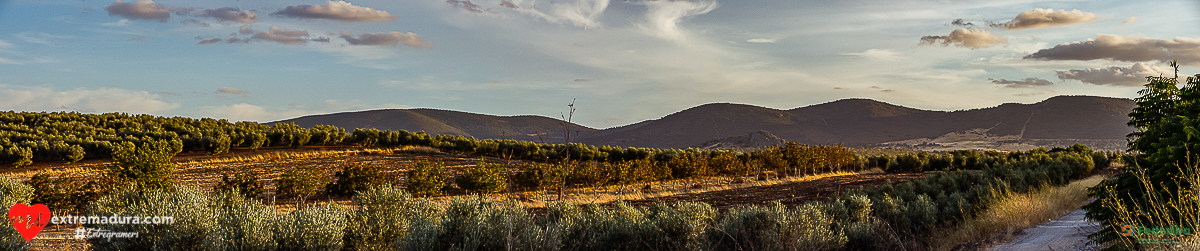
1068, 232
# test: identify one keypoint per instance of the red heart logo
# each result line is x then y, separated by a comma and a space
29, 220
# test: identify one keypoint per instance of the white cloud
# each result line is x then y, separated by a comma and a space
1022, 83
1042, 18
231, 90
1125, 48
141, 9
663, 17
762, 40
1134, 75
119, 23
1129, 21
336, 10
229, 14
387, 39
880, 54
28, 98
962, 37
39, 38
580, 13
16, 57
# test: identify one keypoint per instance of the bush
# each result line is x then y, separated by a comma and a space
475, 223
685, 166
538, 176
240, 223
65, 193
245, 184
678, 227
148, 165
311, 228
20, 156
426, 179
301, 181
774, 227
257, 140
358, 177
189, 208
384, 216
483, 178
909, 163
13, 192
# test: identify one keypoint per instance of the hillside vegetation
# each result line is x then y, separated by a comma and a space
850, 122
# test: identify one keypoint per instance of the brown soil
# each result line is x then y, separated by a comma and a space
790, 194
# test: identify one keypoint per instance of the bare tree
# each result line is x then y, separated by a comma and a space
566, 122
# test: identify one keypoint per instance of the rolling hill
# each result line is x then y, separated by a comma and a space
852, 122
434, 121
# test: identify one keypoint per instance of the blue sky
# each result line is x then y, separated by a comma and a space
624, 61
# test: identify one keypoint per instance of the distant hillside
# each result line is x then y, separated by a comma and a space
859, 122
435, 121
754, 139
852, 122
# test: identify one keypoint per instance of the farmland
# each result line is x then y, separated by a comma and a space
843, 197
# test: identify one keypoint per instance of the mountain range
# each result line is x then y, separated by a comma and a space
1061, 120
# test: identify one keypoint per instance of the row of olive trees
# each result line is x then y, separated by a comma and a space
70, 136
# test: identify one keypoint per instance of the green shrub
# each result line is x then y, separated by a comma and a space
727, 163
384, 216
685, 166
148, 165
1081, 164
12, 192
192, 218
589, 173
538, 176
246, 185
476, 223
483, 178
678, 227
358, 177
774, 227
772, 159
1101, 160
311, 228
909, 163
240, 223
426, 179
257, 140
217, 145
301, 182
922, 214
20, 156
65, 194
857, 221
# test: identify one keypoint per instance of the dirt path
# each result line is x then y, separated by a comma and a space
1068, 232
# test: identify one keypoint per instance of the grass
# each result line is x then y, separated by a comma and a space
276, 156
1012, 211
1157, 209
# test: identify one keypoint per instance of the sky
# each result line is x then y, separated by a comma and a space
621, 62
